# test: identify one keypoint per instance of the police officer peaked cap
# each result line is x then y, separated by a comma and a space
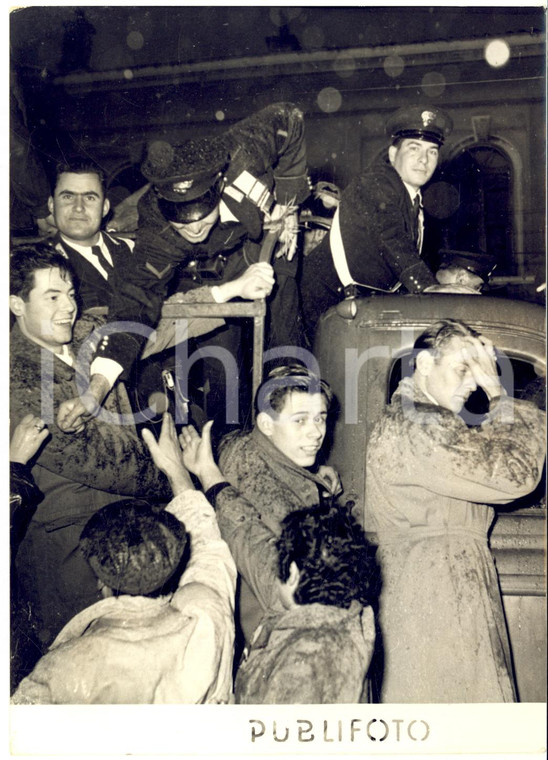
420, 123
132, 548
186, 172
480, 264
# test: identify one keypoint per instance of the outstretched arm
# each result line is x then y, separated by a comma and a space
251, 542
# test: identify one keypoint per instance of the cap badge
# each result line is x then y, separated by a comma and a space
427, 117
182, 187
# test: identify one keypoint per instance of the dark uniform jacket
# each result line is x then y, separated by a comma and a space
24, 496
377, 228
93, 290
270, 145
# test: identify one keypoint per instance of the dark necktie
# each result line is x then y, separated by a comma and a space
96, 251
416, 221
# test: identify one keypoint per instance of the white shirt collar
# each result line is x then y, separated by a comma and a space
412, 192
226, 214
65, 355
84, 248
86, 253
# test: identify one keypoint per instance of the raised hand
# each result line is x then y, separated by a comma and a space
198, 455
167, 454
479, 354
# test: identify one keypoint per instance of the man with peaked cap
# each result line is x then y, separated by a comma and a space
317, 214
202, 223
467, 270
375, 241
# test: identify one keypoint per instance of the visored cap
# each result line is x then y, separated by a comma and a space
421, 123
186, 172
480, 264
192, 210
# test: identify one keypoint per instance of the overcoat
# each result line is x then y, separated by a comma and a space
431, 482
311, 654
275, 486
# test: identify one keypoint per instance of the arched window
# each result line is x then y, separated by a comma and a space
479, 211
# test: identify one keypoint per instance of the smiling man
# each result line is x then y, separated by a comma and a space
277, 466
375, 242
202, 221
77, 473
79, 204
432, 483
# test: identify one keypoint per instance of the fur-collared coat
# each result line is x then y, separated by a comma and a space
430, 481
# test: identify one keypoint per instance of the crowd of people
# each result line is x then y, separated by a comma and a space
160, 560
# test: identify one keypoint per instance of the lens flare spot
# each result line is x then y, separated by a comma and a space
329, 99
128, 74
344, 67
312, 37
497, 53
394, 66
441, 200
220, 115
433, 84
135, 40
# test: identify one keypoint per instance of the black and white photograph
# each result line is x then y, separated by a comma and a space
277, 380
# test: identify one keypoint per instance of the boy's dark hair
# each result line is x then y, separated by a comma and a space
284, 380
133, 548
25, 260
80, 165
336, 561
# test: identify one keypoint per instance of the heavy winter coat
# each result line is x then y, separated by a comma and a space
311, 654
275, 486
78, 473
430, 480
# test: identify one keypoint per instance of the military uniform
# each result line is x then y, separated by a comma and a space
374, 235
257, 162
94, 289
